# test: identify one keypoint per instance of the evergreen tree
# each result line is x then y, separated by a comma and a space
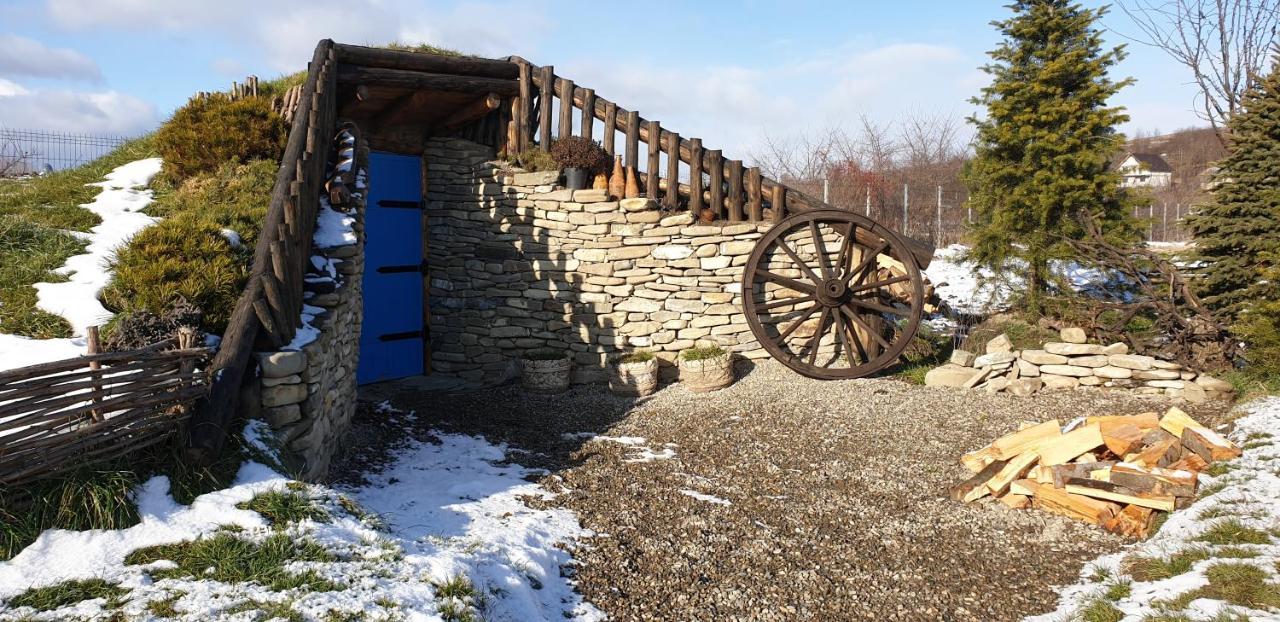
1043, 150
1240, 227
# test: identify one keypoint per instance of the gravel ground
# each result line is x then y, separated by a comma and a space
786, 498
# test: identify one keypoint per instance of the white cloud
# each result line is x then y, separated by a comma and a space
20, 56
107, 112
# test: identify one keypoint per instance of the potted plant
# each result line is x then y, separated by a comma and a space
546, 371
634, 374
580, 158
708, 368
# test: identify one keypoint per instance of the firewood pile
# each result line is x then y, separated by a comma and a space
1114, 471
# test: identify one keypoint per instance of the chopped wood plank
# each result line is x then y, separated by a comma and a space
1024, 487
1079, 507
1174, 420
1153, 479
1015, 500
1120, 494
977, 459
1133, 521
1121, 438
1014, 469
975, 487
1189, 462
977, 378
1145, 421
1063, 472
1066, 447
1161, 454
1209, 445
1011, 445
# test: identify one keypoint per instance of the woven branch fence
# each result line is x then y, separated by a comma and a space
62, 415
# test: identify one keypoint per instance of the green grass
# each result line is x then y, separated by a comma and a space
1236, 583
1100, 610
1250, 383
230, 558
1154, 569
53, 201
1219, 469
70, 593
1230, 532
927, 350
459, 599
282, 508
269, 610
1024, 335
702, 354
165, 607
1236, 552
639, 356
1118, 591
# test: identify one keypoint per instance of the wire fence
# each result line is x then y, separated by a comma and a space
26, 152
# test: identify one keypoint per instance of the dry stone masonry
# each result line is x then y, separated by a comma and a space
1073, 363
517, 264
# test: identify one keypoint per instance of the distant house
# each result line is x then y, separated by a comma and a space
1147, 170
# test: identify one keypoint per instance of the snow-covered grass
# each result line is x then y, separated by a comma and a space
442, 533
1217, 560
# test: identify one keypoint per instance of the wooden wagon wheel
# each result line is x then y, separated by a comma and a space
832, 294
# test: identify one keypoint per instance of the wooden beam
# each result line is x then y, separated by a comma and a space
421, 61
398, 78
477, 109
672, 199
547, 79
715, 175
651, 171
633, 140
755, 199
695, 178
524, 114
566, 107
588, 112
610, 128
779, 202
735, 190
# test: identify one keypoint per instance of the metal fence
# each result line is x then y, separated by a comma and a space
23, 152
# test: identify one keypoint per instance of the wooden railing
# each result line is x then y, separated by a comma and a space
270, 308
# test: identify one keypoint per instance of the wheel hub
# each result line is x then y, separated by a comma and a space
833, 292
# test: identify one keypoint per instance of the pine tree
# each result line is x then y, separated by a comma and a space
1239, 228
1042, 151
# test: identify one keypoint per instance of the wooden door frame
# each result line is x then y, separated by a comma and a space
426, 272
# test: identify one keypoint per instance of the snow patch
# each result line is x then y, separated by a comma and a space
705, 497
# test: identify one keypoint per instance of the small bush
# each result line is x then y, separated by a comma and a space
579, 152
639, 356
128, 331
208, 133
535, 160
69, 593
544, 355
1259, 327
702, 354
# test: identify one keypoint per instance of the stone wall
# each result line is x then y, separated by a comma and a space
518, 264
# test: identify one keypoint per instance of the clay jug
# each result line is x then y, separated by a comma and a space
617, 181
633, 182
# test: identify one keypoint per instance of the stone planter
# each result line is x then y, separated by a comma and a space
710, 374
546, 376
634, 379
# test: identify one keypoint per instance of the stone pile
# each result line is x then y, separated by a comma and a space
1070, 364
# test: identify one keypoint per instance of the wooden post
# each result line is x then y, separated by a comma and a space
695, 177
525, 112
755, 200
655, 148
779, 202
588, 112
735, 190
566, 108
633, 140
672, 199
544, 106
610, 127
95, 347
715, 171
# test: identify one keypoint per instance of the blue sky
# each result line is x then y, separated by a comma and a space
731, 72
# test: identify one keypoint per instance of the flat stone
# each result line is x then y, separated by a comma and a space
1209, 383
1028, 369
1053, 381
994, 358
1072, 349
639, 305
1073, 334
1156, 374
1023, 387
1090, 360
949, 376
629, 252
999, 344
737, 247
1092, 381
1113, 372
1194, 393
282, 415
1040, 357
281, 364
1162, 364
271, 382
284, 394
996, 385
681, 219
539, 178
963, 358
1167, 384
1132, 361
1066, 370
672, 251
639, 204
590, 195
1118, 347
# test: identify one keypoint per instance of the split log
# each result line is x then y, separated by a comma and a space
1062, 473
1160, 454
1189, 461
975, 487
1066, 447
1079, 507
1015, 501
1026, 439
1024, 487
1013, 469
1121, 438
1145, 421
1178, 483
1133, 521
1209, 445
1113, 492
1175, 420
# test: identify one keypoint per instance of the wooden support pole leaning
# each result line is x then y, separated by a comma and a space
672, 199
548, 79
651, 171
755, 200
633, 141
715, 171
566, 107
525, 112
695, 177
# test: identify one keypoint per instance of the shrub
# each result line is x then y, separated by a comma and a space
579, 152
1259, 327
535, 160
639, 356
139, 329
702, 354
207, 133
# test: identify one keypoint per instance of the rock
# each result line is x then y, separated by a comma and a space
1113, 372
271, 382
671, 251
1040, 357
1000, 344
994, 358
1027, 368
996, 385
591, 195
737, 247
284, 394
1091, 381
1066, 370
1162, 364
1052, 381
949, 376
963, 358
1209, 383
1072, 349
1194, 393
681, 219
281, 364
1073, 334
1156, 374
540, 178
282, 415
1116, 348
1132, 361
1166, 384
1023, 387
637, 205
1091, 360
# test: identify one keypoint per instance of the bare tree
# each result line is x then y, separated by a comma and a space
13, 159
1223, 42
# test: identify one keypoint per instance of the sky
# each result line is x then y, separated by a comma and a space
733, 73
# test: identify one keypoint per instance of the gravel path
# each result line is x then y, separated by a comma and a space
783, 498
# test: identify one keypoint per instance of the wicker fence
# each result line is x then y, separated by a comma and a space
62, 415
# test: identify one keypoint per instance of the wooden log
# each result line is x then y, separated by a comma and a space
779, 203
715, 175
1025, 487
695, 177
1108, 491
651, 167
1177, 482
1161, 453
1015, 501
1209, 445
735, 191
1189, 461
610, 127
1060, 474
413, 80
524, 115
547, 80
94, 347
1174, 420
1066, 447
1079, 507
1026, 439
566, 107
1144, 421
478, 108
588, 113
755, 200
420, 61
632, 120
1121, 438
1014, 469
1133, 521
975, 487
672, 198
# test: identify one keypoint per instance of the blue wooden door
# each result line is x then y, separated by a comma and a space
394, 330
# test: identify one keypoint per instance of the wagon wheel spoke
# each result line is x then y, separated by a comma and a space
820, 247
867, 260
839, 325
816, 340
878, 284
784, 302
875, 334
789, 282
853, 337
782, 338
786, 248
846, 248
866, 304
